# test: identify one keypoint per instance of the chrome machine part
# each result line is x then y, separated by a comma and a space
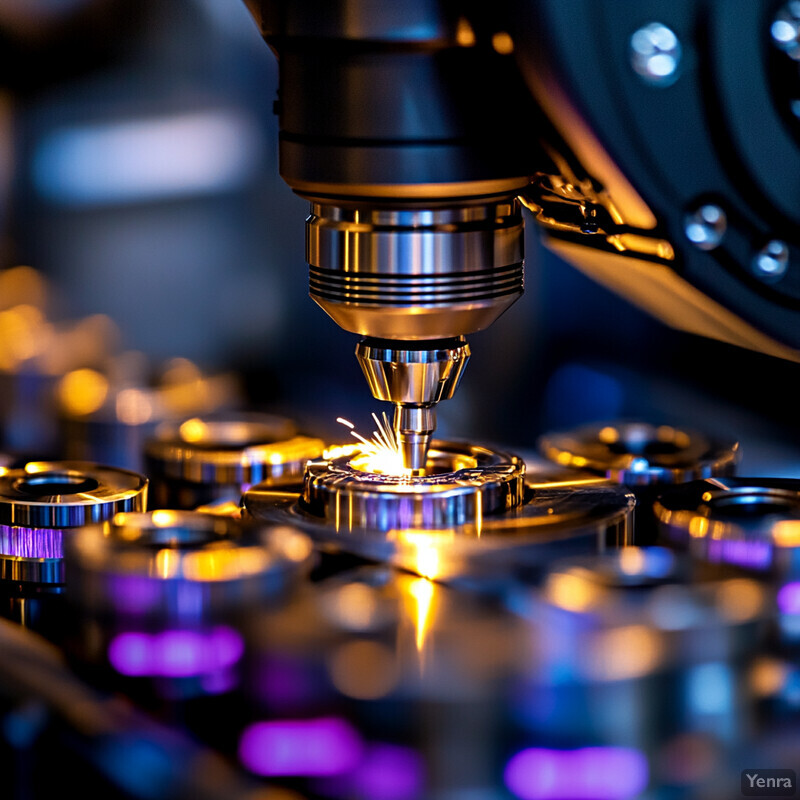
636, 628
206, 459
753, 523
41, 500
640, 453
469, 518
182, 565
415, 376
416, 272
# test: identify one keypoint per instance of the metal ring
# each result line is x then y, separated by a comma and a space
464, 482
41, 500
181, 564
67, 494
748, 522
481, 525
231, 449
641, 593
639, 453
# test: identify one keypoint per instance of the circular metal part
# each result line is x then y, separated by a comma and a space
705, 227
414, 272
182, 564
785, 29
655, 53
41, 500
772, 261
640, 453
204, 459
749, 522
463, 483
470, 518
67, 494
628, 614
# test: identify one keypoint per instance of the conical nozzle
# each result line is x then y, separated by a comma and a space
415, 376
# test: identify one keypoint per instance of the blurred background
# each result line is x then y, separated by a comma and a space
139, 176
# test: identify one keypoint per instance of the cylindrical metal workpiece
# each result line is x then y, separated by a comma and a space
470, 517
41, 507
644, 456
207, 459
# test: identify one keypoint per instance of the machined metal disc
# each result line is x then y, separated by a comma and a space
639, 453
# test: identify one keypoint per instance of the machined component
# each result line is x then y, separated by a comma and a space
182, 565
470, 516
748, 522
205, 459
414, 376
39, 502
416, 272
634, 626
640, 453
462, 484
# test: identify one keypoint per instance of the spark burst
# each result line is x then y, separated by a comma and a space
380, 454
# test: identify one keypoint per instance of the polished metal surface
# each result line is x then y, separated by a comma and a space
471, 518
43, 499
66, 494
181, 564
462, 484
415, 379
412, 272
640, 453
235, 449
753, 523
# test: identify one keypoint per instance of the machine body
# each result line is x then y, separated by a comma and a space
417, 131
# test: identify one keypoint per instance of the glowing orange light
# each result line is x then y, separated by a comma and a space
503, 43
422, 592
381, 454
82, 391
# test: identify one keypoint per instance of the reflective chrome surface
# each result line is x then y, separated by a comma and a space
415, 272
640, 453
181, 564
43, 499
205, 459
414, 379
470, 518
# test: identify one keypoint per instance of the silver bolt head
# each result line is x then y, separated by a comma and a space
655, 53
771, 262
706, 226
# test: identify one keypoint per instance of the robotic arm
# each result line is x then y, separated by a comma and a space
655, 143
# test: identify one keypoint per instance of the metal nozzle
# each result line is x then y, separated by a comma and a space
414, 427
415, 376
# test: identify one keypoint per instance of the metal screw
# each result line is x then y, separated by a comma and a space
706, 226
771, 262
656, 54
785, 29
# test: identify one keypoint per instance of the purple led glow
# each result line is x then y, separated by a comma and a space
591, 773
386, 772
288, 683
741, 552
175, 653
310, 747
133, 594
31, 542
789, 598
